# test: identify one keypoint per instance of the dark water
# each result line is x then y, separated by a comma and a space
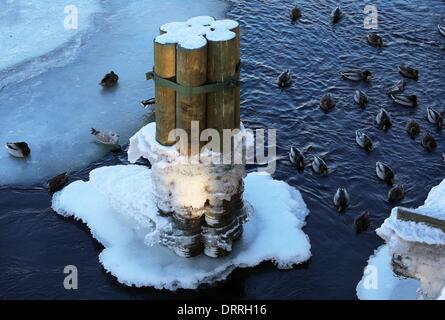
35, 244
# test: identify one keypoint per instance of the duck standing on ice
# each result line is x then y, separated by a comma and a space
109, 80
107, 137
18, 149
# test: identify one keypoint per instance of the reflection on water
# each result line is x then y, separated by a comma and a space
315, 51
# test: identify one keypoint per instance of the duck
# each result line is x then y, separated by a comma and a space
148, 102
362, 222
363, 140
428, 142
57, 183
327, 103
356, 74
336, 15
361, 98
441, 29
434, 117
295, 13
405, 100
109, 80
341, 199
412, 128
107, 137
375, 40
409, 72
397, 87
319, 166
383, 119
396, 193
284, 79
384, 172
18, 149
296, 157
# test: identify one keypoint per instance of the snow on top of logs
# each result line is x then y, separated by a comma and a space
227, 24
201, 20
192, 42
167, 38
220, 35
173, 26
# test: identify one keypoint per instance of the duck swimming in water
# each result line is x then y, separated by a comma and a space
383, 119
18, 149
412, 128
409, 72
356, 75
361, 98
362, 222
327, 102
428, 142
434, 117
363, 140
384, 172
319, 166
441, 29
336, 15
375, 40
404, 100
109, 80
107, 137
295, 14
396, 194
341, 199
57, 183
296, 157
397, 88
284, 79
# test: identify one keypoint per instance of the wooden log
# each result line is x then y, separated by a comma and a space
233, 26
191, 71
165, 67
223, 58
405, 214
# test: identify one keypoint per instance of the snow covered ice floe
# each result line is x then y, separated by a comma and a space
412, 250
120, 205
117, 205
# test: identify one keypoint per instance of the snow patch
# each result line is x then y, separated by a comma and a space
220, 35
117, 205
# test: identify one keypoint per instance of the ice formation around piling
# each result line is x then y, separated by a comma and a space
419, 253
118, 205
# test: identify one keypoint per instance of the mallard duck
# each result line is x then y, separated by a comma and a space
404, 100
57, 183
428, 142
148, 102
319, 166
284, 79
409, 72
363, 140
327, 102
296, 157
356, 74
295, 13
375, 40
441, 29
18, 149
383, 119
336, 15
107, 137
434, 117
384, 172
361, 98
412, 128
109, 80
396, 193
362, 222
397, 88
341, 199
